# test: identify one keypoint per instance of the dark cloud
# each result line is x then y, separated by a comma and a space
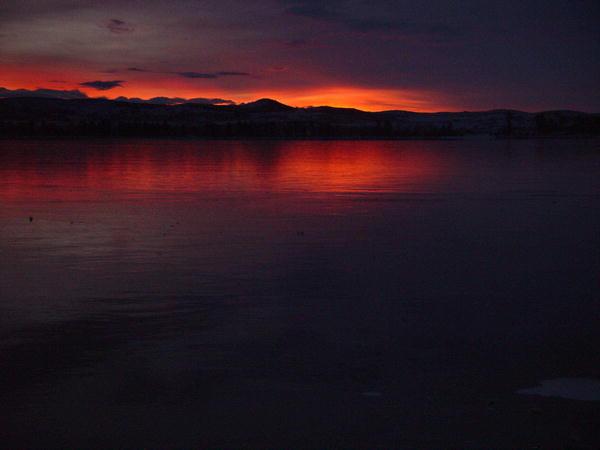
212, 75
118, 26
129, 69
458, 54
339, 13
278, 69
233, 74
103, 85
197, 75
184, 74
78, 95
42, 92
210, 101
177, 101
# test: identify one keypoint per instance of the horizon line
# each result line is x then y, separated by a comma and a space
230, 103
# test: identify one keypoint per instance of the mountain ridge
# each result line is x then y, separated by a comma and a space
38, 116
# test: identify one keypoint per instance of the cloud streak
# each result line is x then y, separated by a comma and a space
118, 26
43, 93
336, 13
103, 85
177, 101
459, 53
78, 95
211, 75
186, 74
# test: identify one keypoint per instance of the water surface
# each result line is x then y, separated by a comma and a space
324, 294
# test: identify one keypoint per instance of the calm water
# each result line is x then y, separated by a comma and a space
276, 294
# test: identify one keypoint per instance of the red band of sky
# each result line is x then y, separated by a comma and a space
375, 55
170, 85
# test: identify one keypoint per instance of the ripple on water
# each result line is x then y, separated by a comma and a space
585, 389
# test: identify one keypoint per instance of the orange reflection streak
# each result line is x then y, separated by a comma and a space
128, 170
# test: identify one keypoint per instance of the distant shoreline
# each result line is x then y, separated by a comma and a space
270, 120
290, 139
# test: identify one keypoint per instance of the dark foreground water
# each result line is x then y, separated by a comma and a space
299, 294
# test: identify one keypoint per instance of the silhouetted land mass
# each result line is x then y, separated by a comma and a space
28, 116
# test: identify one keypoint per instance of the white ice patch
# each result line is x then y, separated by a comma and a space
572, 388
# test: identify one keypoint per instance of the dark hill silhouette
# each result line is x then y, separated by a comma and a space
266, 118
266, 105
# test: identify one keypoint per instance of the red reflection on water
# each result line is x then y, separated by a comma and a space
87, 170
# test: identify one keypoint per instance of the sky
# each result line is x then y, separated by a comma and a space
369, 54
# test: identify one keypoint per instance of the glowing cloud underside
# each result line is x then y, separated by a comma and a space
364, 98
368, 55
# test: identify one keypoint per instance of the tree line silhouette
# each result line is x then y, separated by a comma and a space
23, 117
247, 129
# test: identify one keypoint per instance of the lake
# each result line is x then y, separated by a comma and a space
324, 294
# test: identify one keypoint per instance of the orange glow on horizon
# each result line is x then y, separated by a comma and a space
164, 85
366, 99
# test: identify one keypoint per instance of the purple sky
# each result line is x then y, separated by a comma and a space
377, 54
